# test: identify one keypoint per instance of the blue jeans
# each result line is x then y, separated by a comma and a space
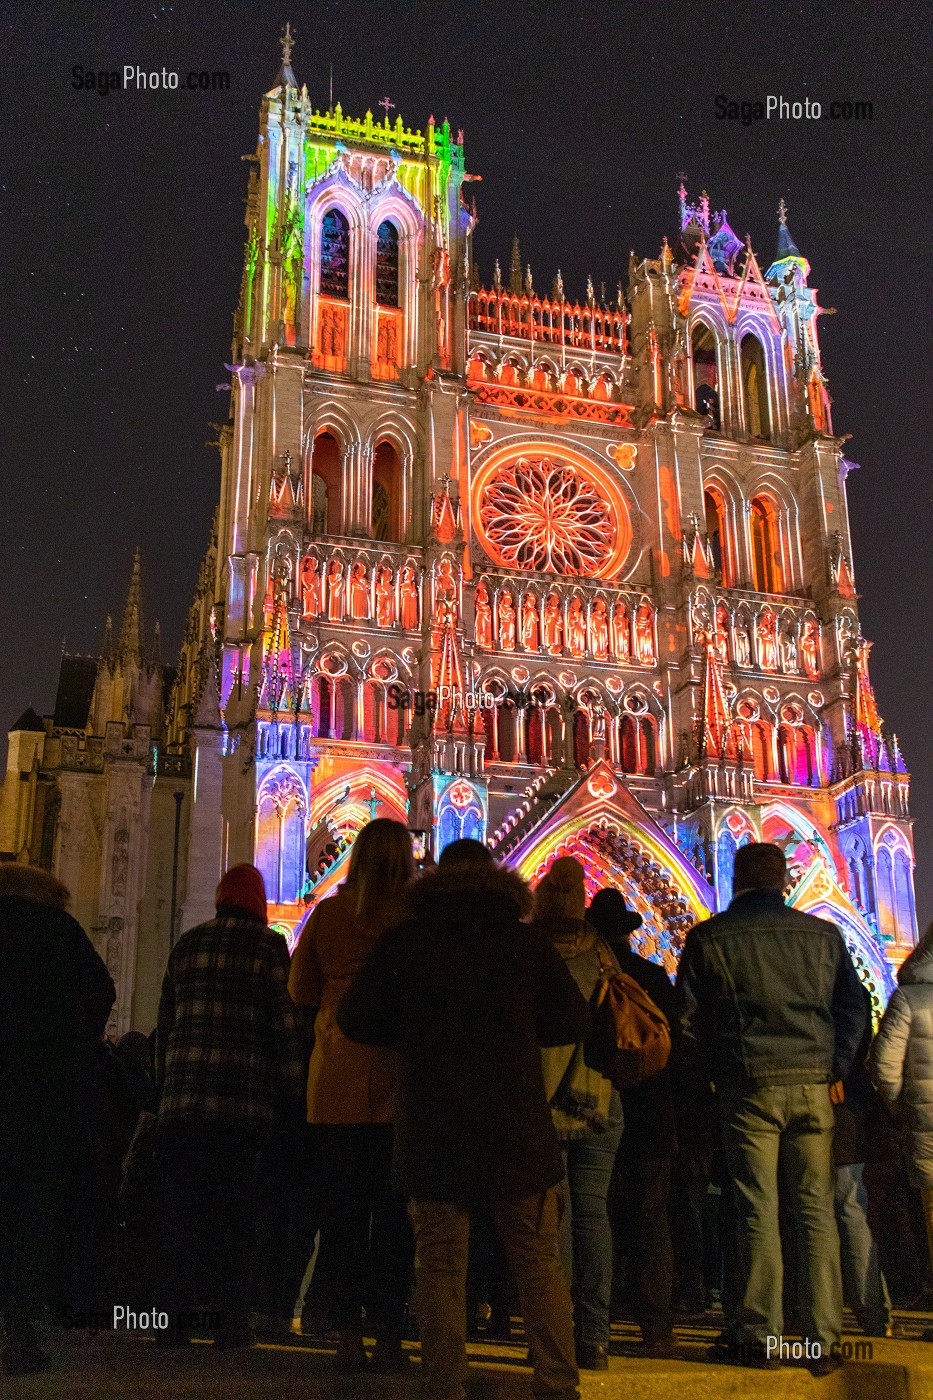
586, 1235
863, 1282
791, 1124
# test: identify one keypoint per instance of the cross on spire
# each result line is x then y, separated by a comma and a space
385, 104
287, 41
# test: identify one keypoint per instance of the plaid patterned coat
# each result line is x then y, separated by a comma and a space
230, 1046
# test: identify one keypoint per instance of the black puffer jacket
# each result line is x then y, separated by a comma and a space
469, 995
769, 996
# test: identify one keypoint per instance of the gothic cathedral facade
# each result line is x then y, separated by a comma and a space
571, 576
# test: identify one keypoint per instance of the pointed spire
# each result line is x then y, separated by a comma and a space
106, 651
497, 277
590, 292
715, 723
515, 268
155, 651
131, 626
286, 74
529, 285
557, 289
786, 247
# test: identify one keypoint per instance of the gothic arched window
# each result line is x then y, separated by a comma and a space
705, 373
755, 382
715, 511
765, 541
387, 484
326, 482
387, 264
335, 255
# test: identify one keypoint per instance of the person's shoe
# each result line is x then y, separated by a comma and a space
591, 1356
731, 1353
658, 1347
389, 1357
825, 1366
351, 1355
498, 1327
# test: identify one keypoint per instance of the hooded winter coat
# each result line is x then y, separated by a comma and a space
468, 994
901, 1059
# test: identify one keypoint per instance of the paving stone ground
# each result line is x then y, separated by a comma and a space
121, 1367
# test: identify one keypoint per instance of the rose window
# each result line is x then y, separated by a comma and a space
545, 515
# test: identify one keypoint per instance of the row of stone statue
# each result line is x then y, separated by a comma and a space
557, 625
339, 592
788, 651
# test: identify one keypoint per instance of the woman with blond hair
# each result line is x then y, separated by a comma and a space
587, 1114
365, 1241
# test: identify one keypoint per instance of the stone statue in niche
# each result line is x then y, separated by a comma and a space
553, 625
335, 588
310, 583
576, 628
644, 634
810, 648
408, 597
722, 635
789, 658
767, 642
531, 631
743, 651
483, 617
359, 590
507, 622
385, 598
599, 630
621, 636
120, 864
445, 593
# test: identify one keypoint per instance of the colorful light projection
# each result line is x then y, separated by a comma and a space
461, 813
619, 844
552, 509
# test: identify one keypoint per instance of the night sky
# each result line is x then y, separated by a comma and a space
123, 241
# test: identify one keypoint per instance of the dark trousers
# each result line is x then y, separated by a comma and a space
287, 1222
643, 1200
366, 1242
209, 1185
32, 1229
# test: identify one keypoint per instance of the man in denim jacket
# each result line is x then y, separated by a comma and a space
772, 1012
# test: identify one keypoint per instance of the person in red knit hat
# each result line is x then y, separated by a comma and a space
231, 1063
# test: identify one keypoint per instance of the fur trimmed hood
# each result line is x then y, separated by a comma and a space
454, 891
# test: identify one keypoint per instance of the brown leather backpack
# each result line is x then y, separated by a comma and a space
633, 1034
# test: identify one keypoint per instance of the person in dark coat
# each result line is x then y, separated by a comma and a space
231, 1065
772, 1012
649, 1140
901, 1067
587, 1114
856, 1108
469, 995
55, 997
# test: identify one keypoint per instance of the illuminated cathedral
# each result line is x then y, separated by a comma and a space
570, 574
